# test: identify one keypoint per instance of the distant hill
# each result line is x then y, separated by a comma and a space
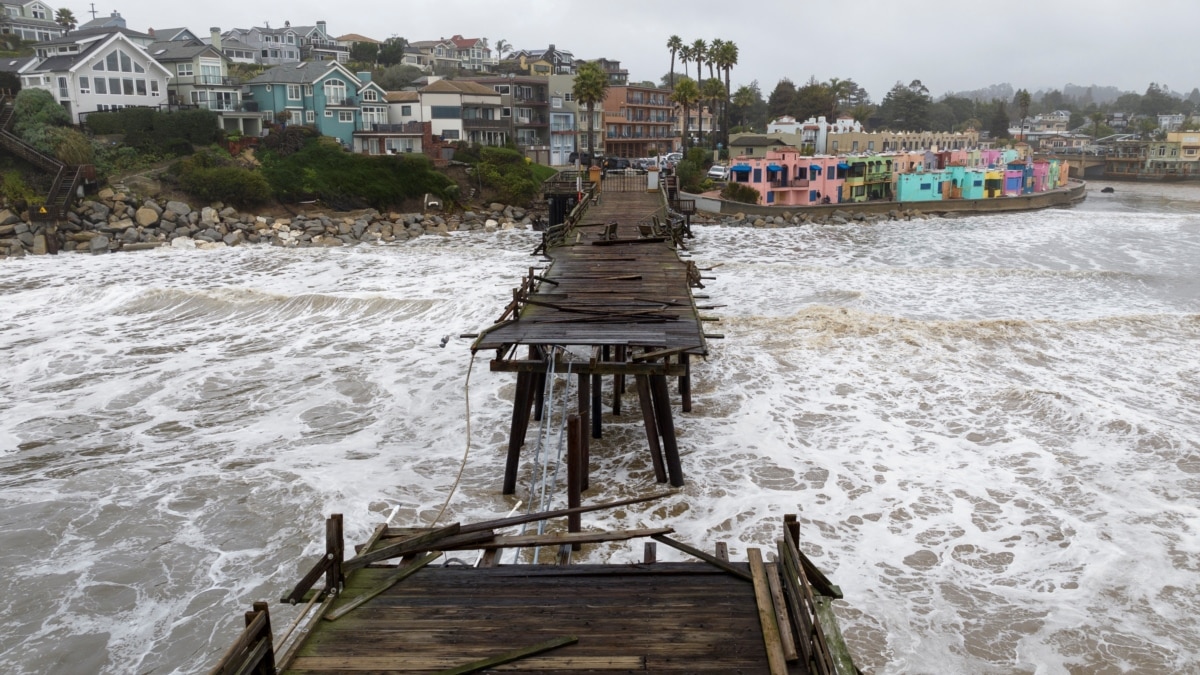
1003, 91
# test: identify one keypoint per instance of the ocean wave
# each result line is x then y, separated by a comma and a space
185, 304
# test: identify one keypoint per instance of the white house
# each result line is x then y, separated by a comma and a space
97, 71
32, 21
814, 132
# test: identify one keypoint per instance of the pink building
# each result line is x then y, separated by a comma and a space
784, 177
1041, 176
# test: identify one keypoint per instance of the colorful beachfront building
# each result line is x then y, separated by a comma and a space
785, 177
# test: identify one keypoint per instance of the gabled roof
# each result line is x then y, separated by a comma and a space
464, 43
178, 50
162, 34
88, 49
402, 97
306, 72
355, 37
82, 34
15, 64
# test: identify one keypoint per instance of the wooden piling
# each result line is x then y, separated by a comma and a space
685, 383
335, 552
647, 405
575, 473
516, 434
597, 405
666, 428
585, 412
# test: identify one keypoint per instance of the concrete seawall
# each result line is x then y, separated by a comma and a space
1075, 191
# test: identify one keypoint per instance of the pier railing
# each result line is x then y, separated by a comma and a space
253, 652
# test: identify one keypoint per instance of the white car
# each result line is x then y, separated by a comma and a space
718, 172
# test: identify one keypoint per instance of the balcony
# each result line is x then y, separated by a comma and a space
562, 128
405, 129
217, 80
879, 176
793, 183
535, 121
478, 124
350, 102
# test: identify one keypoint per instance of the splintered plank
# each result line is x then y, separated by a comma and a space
766, 613
515, 655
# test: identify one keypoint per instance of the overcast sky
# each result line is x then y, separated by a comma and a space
948, 45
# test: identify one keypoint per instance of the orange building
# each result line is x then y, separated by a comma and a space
638, 121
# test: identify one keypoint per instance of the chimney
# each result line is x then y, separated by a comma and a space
215, 33
364, 77
321, 26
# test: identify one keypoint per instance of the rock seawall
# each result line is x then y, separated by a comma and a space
114, 221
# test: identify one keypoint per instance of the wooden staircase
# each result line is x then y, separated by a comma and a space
67, 179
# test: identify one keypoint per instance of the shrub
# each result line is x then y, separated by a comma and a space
71, 146
736, 192
15, 191
228, 184
284, 141
35, 109
511, 174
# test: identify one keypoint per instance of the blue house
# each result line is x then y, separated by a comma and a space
920, 186
324, 95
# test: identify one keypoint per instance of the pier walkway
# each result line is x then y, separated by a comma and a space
616, 301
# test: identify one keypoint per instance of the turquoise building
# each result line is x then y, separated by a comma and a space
324, 95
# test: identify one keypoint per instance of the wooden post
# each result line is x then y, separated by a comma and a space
793, 527
539, 394
516, 434
597, 405
666, 428
335, 551
645, 399
766, 613
618, 382
585, 412
650, 553
723, 551
266, 664
685, 383
574, 472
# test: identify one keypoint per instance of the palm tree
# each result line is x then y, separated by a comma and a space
743, 99
699, 53
65, 18
713, 90
674, 43
685, 57
686, 93
1023, 100
714, 52
727, 58
590, 88
838, 90
502, 47
1097, 118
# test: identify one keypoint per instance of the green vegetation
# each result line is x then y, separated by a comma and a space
517, 180
344, 180
212, 175
691, 169
35, 113
590, 88
736, 192
14, 191
150, 130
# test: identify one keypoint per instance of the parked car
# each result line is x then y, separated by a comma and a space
718, 172
621, 165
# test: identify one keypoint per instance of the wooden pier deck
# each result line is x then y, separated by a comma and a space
709, 616
618, 290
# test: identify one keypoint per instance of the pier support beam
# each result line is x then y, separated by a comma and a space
585, 412
685, 384
666, 428
520, 423
647, 404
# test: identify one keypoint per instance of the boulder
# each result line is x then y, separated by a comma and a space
7, 217
146, 216
39, 244
178, 208
98, 244
183, 242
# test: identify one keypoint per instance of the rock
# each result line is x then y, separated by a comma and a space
178, 208
98, 244
496, 207
183, 242
143, 246
7, 230
106, 194
210, 245
39, 244
208, 216
233, 238
7, 217
228, 212
129, 235
26, 239
167, 226
145, 216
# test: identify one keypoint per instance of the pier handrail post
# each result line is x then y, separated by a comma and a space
335, 551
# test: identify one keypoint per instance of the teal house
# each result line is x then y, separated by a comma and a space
920, 186
324, 95
968, 182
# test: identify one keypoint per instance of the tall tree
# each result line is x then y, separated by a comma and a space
743, 99
364, 52
699, 54
674, 44
65, 18
779, 103
685, 57
998, 126
1097, 119
590, 88
1022, 100
714, 49
906, 107
727, 58
502, 47
686, 94
814, 99
391, 53
712, 90
839, 89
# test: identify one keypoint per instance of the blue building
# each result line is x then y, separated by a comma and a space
324, 95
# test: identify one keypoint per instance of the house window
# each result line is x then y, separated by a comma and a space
445, 112
293, 92
310, 116
127, 86
370, 95
154, 87
141, 87
84, 85
450, 134
506, 112
126, 63
184, 69
345, 115
501, 89
99, 65
329, 113
308, 90
406, 110
335, 92
101, 86
114, 86
110, 62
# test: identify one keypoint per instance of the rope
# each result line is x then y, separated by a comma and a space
466, 451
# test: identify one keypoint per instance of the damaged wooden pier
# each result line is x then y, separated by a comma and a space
411, 602
616, 301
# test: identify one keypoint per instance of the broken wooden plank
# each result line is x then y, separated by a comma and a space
786, 636
396, 578
515, 655
713, 560
766, 613
404, 547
